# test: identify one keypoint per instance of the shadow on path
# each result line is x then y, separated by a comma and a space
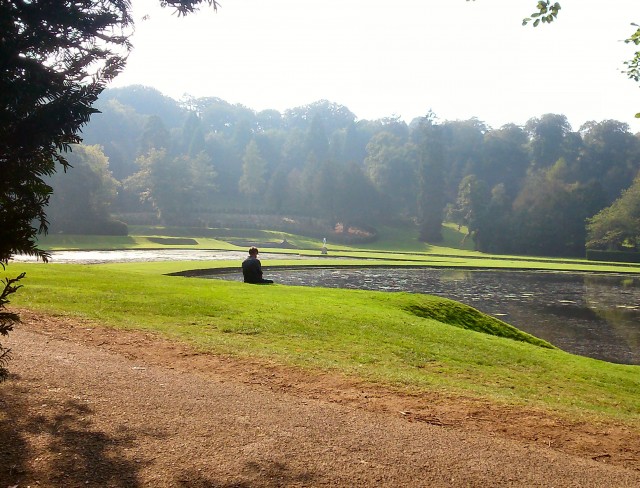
266, 474
65, 448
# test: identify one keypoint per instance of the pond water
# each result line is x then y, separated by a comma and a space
595, 315
144, 255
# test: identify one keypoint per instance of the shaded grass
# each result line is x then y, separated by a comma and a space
409, 341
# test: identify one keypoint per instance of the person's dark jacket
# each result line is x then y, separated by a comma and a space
252, 270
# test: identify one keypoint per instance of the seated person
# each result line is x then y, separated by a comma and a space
252, 269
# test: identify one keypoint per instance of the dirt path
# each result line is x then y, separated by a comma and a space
88, 406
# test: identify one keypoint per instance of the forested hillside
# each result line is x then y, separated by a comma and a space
526, 190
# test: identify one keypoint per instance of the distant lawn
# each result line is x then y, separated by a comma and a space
408, 341
404, 238
395, 246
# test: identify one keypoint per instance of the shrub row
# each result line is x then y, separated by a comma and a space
615, 256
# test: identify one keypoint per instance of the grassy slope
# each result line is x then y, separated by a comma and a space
410, 341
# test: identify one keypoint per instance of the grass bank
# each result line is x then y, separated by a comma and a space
408, 341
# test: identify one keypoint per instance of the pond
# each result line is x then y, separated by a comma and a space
595, 315
146, 255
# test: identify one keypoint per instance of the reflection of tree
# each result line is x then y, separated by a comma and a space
452, 275
617, 305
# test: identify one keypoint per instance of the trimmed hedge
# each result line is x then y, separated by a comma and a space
615, 256
93, 227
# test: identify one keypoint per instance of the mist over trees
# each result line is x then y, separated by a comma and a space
527, 190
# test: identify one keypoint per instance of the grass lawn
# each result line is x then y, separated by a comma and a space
408, 341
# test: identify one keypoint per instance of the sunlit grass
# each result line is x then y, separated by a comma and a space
408, 341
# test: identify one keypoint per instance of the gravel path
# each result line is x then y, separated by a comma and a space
80, 410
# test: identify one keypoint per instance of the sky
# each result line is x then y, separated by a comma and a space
401, 58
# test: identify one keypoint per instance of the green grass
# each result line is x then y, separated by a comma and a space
413, 342
396, 246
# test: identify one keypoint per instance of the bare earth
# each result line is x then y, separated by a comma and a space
90, 406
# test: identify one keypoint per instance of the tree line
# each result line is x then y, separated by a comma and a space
534, 189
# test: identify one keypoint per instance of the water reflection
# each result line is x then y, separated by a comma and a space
593, 315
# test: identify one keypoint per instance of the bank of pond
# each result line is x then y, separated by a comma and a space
593, 315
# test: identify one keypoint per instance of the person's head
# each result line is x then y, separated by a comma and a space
253, 251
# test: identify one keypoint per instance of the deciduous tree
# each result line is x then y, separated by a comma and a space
81, 199
617, 227
252, 182
430, 176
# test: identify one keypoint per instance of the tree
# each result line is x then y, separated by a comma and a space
430, 176
7, 320
610, 155
252, 182
548, 135
617, 227
81, 199
353, 147
192, 136
472, 204
203, 180
117, 128
277, 190
383, 156
494, 231
55, 59
154, 136
177, 188
316, 141
390, 166
357, 199
549, 215
505, 158
332, 116
462, 151
222, 117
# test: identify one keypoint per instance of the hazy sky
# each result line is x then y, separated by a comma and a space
395, 57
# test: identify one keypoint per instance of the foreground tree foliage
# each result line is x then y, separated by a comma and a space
7, 319
56, 57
